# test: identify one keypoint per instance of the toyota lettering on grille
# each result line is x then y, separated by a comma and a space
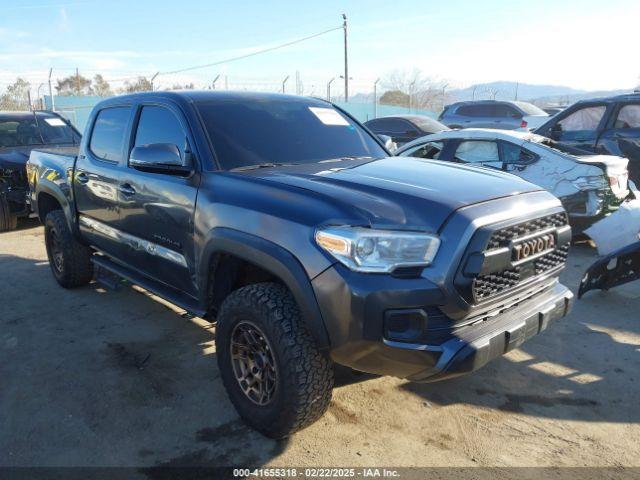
532, 247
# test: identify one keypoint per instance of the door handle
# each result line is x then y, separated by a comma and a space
82, 178
127, 189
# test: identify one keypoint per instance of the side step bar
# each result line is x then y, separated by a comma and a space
170, 294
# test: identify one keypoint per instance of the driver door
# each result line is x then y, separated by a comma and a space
157, 208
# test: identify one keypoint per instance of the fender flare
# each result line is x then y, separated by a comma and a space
272, 258
52, 189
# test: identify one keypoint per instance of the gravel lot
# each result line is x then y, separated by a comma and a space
119, 378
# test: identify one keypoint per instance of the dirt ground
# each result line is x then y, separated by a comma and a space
117, 378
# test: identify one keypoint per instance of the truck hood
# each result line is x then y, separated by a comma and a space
14, 158
405, 191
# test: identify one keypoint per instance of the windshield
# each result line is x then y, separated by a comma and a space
27, 131
530, 109
430, 125
253, 131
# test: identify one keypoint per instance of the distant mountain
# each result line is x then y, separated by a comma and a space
539, 94
507, 91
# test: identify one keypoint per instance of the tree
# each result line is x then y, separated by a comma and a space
178, 86
142, 84
394, 97
413, 89
16, 96
74, 85
101, 87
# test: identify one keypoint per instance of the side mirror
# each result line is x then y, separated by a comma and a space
158, 158
388, 142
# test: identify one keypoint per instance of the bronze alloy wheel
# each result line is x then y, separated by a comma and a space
253, 363
55, 250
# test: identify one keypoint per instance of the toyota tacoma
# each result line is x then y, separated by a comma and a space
284, 220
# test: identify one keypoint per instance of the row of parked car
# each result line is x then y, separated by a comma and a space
286, 222
584, 155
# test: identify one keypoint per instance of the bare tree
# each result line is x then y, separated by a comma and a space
491, 92
74, 85
16, 97
413, 90
142, 84
180, 86
101, 87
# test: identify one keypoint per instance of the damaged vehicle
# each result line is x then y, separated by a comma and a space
20, 132
589, 185
619, 267
605, 125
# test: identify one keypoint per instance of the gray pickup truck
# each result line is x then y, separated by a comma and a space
286, 222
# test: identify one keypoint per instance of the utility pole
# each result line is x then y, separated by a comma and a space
346, 60
153, 78
38, 99
517, 85
444, 90
284, 82
213, 84
77, 82
53, 107
473, 95
375, 98
411, 87
329, 89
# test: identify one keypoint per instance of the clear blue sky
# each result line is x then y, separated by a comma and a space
588, 44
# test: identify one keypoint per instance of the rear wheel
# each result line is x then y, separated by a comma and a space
70, 261
8, 221
272, 369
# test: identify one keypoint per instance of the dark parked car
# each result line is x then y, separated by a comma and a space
504, 115
405, 128
20, 132
283, 220
604, 125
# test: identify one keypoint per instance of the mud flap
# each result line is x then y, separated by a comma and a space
617, 268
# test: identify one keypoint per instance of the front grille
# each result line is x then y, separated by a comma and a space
502, 237
488, 285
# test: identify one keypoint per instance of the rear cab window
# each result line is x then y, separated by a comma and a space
109, 133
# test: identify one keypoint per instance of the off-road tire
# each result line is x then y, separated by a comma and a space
74, 267
8, 221
304, 380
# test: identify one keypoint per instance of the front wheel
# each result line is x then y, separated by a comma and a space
274, 373
70, 261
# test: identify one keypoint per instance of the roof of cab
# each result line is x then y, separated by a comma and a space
201, 96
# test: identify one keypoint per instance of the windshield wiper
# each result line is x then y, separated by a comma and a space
261, 165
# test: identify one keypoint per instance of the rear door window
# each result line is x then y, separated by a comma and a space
587, 118
628, 117
475, 110
108, 134
479, 152
502, 110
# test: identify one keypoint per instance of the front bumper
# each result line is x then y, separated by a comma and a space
354, 314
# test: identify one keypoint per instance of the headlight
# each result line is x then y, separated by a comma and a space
592, 182
367, 250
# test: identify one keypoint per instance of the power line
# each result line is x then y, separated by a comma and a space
264, 50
